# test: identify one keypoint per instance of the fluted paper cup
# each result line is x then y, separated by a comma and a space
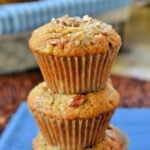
119, 142
81, 74
72, 134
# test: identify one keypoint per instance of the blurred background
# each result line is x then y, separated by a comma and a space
131, 19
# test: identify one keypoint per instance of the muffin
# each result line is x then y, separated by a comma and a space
113, 140
72, 122
75, 55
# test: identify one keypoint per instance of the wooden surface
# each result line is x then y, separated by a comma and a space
14, 89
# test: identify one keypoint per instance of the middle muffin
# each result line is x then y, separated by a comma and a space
73, 122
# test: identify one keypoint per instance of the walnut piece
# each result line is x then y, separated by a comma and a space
76, 24
77, 100
54, 43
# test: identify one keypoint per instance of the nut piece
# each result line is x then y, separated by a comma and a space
76, 24
76, 100
54, 42
105, 33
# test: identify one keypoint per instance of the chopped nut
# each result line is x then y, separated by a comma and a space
105, 33
86, 18
54, 43
64, 23
57, 21
76, 24
77, 100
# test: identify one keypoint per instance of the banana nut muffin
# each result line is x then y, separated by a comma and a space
113, 140
75, 54
73, 122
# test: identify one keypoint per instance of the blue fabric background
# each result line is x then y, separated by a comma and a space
15, 18
21, 129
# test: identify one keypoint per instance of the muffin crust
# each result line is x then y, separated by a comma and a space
68, 36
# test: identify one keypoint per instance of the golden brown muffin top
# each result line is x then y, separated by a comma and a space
74, 36
89, 105
114, 140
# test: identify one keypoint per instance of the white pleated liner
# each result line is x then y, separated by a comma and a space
39, 142
82, 74
73, 134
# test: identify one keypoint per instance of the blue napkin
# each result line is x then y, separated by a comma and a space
21, 17
21, 129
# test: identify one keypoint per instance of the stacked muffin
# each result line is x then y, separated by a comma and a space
74, 105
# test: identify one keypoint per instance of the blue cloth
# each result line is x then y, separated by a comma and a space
20, 17
21, 129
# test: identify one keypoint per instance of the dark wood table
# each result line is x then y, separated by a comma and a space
14, 89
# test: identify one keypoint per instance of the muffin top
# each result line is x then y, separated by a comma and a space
74, 36
114, 140
60, 106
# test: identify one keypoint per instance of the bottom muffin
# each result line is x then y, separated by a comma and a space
76, 121
114, 140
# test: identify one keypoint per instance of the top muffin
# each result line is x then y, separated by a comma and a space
74, 36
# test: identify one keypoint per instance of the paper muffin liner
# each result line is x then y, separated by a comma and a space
39, 143
125, 140
81, 74
72, 134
